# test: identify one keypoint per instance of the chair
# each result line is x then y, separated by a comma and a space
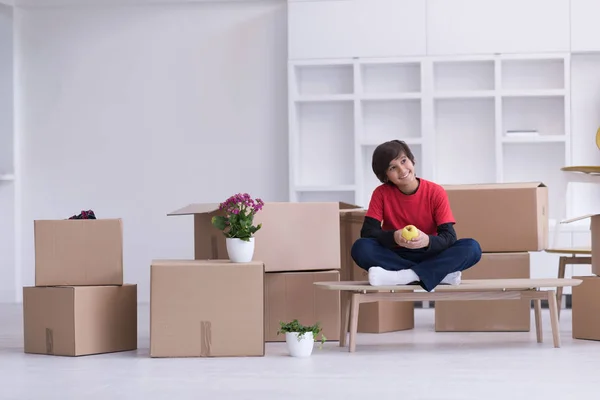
570, 259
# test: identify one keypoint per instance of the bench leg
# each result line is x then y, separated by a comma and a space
537, 305
562, 264
554, 317
353, 321
345, 298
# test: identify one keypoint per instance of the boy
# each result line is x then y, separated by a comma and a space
435, 255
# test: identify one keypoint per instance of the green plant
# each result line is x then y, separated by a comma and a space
297, 327
239, 216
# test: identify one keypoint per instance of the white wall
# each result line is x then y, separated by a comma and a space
134, 111
6, 88
7, 237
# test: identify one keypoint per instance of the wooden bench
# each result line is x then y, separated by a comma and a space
353, 293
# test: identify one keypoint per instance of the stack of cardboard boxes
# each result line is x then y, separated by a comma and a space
79, 304
209, 306
509, 220
586, 297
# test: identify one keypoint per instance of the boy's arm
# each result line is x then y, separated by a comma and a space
372, 229
372, 224
442, 214
446, 237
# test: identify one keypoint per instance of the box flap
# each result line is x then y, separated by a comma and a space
508, 185
566, 221
348, 206
198, 208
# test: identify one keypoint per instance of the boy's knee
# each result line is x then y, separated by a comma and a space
360, 247
474, 248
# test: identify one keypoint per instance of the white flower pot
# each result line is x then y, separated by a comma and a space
239, 250
302, 347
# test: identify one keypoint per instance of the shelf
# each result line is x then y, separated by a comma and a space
476, 94
324, 98
465, 137
546, 115
533, 74
390, 96
7, 177
535, 139
325, 144
324, 79
534, 93
385, 120
463, 75
391, 78
453, 111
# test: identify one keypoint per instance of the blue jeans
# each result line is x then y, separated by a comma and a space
431, 269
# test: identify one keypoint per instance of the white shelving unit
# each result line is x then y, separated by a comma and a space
480, 119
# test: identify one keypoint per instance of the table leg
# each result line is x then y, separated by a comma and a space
345, 299
554, 317
354, 320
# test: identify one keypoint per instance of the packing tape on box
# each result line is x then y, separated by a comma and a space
49, 341
205, 338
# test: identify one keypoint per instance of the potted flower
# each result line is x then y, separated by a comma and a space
238, 225
300, 339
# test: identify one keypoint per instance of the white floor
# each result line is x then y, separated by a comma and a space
416, 364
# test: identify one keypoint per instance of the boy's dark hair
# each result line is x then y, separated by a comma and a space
385, 153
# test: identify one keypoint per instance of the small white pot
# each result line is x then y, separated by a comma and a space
302, 347
239, 250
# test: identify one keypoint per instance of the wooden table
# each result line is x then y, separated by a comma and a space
354, 293
584, 169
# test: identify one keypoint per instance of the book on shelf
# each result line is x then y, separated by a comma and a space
522, 133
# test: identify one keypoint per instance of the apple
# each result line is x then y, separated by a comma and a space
410, 232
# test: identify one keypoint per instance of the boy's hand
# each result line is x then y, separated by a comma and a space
419, 242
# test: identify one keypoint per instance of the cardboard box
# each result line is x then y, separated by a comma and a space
383, 316
595, 232
586, 308
293, 237
204, 308
488, 315
351, 222
293, 295
82, 252
503, 217
79, 320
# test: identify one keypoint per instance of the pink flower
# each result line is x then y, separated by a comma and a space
239, 216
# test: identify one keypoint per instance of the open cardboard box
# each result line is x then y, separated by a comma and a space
595, 229
502, 217
293, 237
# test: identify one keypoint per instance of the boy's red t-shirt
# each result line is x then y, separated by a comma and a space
426, 209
